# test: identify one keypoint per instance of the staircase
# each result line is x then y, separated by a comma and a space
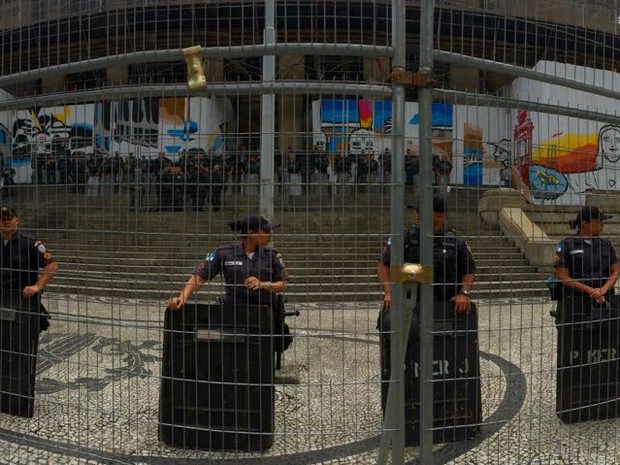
330, 246
502, 270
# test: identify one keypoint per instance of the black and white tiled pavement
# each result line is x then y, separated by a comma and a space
98, 388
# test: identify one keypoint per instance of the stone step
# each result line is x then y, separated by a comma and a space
508, 265
190, 250
113, 273
323, 259
330, 244
182, 271
516, 291
562, 230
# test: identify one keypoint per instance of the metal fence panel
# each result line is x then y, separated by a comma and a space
306, 124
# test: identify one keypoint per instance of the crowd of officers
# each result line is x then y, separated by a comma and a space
191, 180
63, 166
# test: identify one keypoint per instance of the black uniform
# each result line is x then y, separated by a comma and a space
236, 266
588, 260
452, 260
21, 258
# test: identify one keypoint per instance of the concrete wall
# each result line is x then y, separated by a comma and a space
531, 239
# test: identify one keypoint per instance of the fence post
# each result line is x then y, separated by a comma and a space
426, 233
394, 419
268, 117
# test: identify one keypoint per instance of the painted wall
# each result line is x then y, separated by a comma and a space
554, 159
565, 157
145, 127
360, 127
141, 127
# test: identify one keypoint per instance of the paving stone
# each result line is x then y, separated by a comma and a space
103, 394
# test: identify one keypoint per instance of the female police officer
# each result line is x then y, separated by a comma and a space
252, 272
587, 264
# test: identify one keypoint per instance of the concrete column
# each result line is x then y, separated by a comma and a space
376, 69
23, 88
118, 75
52, 83
289, 123
214, 70
462, 78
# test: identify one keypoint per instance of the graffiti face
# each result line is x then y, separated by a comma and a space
361, 142
502, 151
609, 143
321, 142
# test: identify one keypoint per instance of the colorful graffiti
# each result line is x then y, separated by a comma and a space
142, 127
568, 153
567, 162
472, 155
353, 127
147, 126
38, 130
546, 183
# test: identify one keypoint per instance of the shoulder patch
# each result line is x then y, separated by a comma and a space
559, 248
210, 256
39, 245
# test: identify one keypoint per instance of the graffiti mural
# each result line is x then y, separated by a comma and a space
472, 155
546, 183
353, 129
142, 127
609, 143
40, 130
147, 126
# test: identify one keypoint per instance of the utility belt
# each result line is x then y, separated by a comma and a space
582, 309
445, 317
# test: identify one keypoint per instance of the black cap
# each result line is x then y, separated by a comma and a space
587, 214
439, 205
7, 213
253, 223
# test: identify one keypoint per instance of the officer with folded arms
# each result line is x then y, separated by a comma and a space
586, 265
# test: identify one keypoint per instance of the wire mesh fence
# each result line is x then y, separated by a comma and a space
131, 184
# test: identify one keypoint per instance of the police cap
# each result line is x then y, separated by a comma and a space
439, 205
7, 213
253, 223
589, 213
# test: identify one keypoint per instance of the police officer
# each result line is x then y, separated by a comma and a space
587, 264
252, 271
454, 266
26, 266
